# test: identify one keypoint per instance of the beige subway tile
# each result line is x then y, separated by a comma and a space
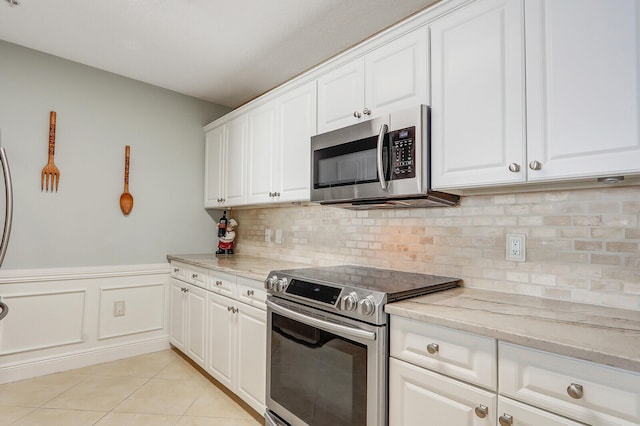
624, 247
587, 245
595, 220
606, 259
620, 220
575, 232
607, 233
632, 234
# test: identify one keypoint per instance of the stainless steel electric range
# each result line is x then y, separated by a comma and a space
327, 349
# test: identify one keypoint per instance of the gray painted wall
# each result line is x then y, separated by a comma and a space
98, 113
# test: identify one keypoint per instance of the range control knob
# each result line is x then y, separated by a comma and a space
281, 285
367, 306
350, 302
270, 282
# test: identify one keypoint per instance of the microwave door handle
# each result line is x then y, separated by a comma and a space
383, 131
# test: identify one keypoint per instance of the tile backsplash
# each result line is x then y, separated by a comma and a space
581, 245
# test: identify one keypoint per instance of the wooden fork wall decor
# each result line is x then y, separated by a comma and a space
50, 173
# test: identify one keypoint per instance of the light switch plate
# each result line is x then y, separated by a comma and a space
516, 247
118, 308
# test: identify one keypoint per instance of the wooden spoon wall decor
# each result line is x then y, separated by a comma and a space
126, 199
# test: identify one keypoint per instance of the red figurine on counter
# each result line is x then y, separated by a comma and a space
225, 245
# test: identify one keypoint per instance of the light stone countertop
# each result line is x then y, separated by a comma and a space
252, 267
599, 334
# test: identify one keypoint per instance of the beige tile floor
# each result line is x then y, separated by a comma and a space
157, 389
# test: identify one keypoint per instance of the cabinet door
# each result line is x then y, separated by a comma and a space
396, 74
583, 87
252, 355
177, 314
419, 397
214, 167
262, 143
196, 324
525, 415
477, 71
235, 156
220, 356
340, 96
296, 124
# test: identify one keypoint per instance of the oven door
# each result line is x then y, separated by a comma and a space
323, 369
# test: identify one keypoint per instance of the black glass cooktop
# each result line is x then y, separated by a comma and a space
396, 285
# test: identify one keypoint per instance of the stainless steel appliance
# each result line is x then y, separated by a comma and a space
6, 232
327, 345
382, 162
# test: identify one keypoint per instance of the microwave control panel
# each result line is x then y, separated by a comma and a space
403, 149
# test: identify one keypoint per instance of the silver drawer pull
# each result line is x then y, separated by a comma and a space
218, 283
575, 391
176, 269
250, 293
505, 420
514, 167
433, 348
482, 411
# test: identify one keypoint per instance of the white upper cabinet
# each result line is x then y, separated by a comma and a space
583, 87
261, 153
477, 71
297, 121
579, 115
214, 182
225, 164
391, 77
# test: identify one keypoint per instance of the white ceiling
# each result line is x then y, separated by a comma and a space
223, 51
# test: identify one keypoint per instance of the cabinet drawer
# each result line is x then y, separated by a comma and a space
222, 283
197, 276
251, 292
525, 415
178, 271
419, 397
608, 396
458, 354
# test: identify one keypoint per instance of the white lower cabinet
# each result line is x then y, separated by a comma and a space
514, 413
584, 391
222, 328
440, 376
419, 397
187, 318
237, 348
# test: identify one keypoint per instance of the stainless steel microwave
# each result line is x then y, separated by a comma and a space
382, 162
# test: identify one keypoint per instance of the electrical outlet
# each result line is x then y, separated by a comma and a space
267, 235
516, 247
118, 308
278, 236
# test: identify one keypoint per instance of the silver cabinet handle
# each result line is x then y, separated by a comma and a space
176, 269
535, 165
357, 114
383, 130
232, 309
433, 348
229, 308
575, 391
366, 111
514, 167
482, 411
505, 420
194, 276
219, 283
250, 292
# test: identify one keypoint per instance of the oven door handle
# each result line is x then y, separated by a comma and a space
381, 177
343, 330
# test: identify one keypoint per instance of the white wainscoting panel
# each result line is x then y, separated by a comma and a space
60, 319
42, 320
144, 310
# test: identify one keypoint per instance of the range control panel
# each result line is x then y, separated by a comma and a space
403, 151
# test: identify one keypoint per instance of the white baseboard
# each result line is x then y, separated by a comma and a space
69, 361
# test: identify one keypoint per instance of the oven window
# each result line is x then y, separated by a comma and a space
318, 376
